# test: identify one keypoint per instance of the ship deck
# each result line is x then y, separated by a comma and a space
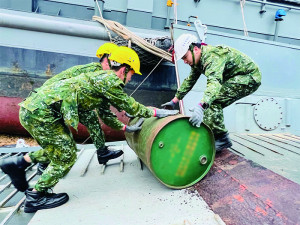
256, 180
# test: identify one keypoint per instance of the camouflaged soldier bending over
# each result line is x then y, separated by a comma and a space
89, 118
47, 114
231, 75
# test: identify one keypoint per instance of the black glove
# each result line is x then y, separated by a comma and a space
160, 113
197, 116
136, 127
169, 105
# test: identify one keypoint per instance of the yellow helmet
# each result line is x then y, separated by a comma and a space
106, 48
125, 55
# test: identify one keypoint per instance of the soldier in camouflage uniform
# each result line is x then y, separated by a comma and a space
47, 114
88, 118
231, 75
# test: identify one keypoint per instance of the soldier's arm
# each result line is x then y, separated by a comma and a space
109, 118
119, 99
188, 83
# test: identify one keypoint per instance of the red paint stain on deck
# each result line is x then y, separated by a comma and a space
233, 162
234, 179
256, 195
260, 210
243, 187
239, 198
269, 203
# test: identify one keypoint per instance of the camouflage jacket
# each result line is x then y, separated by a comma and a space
74, 72
219, 64
88, 91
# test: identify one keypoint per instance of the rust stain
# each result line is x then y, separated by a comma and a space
48, 70
260, 210
256, 195
233, 178
239, 198
269, 203
233, 162
26, 86
16, 67
243, 187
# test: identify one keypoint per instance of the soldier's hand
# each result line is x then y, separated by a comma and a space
197, 116
169, 105
160, 113
136, 127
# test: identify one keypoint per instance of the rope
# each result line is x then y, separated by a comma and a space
132, 38
242, 3
107, 31
128, 35
146, 78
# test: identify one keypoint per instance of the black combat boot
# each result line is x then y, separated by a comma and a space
41, 168
222, 141
15, 167
42, 200
104, 154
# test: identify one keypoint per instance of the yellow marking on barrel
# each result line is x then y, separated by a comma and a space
187, 154
175, 150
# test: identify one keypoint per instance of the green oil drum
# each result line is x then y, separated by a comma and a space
178, 154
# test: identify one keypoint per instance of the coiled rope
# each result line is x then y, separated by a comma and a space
120, 30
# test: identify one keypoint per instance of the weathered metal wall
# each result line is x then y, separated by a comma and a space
154, 14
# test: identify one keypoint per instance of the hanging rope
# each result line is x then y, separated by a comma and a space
127, 34
107, 31
242, 3
146, 78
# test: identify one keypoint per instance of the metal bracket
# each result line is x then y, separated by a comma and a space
263, 7
201, 30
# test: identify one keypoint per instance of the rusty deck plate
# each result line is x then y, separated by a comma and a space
244, 192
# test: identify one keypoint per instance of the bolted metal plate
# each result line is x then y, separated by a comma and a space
268, 114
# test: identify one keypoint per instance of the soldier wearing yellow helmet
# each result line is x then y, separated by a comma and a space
124, 56
47, 114
89, 119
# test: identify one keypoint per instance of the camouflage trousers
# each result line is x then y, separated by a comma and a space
91, 121
58, 146
230, 92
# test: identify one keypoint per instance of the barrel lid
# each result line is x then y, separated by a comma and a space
181, 154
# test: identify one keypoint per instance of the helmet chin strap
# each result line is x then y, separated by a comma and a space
191, 48
108, 61
125, 75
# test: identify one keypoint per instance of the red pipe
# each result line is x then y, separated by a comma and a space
10, 124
